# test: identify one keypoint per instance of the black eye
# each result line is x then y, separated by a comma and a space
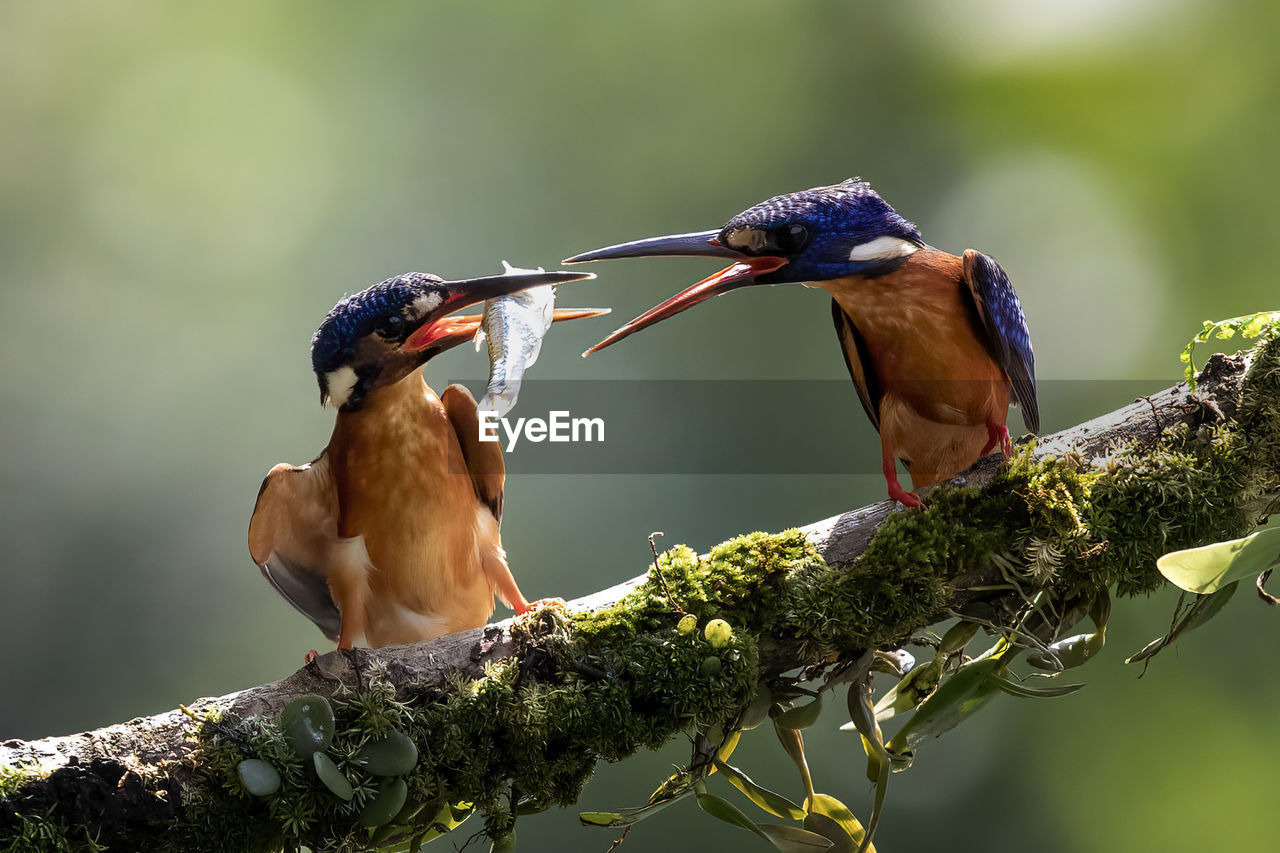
790, 238
391, 328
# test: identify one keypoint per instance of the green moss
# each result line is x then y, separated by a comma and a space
601, 685
39, 830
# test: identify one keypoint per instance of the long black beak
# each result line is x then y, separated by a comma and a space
460, 294
699, 244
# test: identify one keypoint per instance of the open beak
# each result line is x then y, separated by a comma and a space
442, 331
742, 273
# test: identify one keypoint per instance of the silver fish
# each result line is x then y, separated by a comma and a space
514, 326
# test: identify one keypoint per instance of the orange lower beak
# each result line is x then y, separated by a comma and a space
447, 331
740, 274
450, 331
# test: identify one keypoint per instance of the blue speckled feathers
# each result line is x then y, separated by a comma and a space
1007, 335
357, 315
850, 208
837, 218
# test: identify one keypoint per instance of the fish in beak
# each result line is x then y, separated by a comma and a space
745, 271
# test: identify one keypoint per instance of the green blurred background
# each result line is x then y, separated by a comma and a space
185, 190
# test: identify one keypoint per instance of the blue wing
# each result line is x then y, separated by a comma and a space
1007, 336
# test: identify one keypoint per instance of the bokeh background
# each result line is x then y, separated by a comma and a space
186, 188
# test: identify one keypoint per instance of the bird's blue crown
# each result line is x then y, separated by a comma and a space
835, 218
356, 316
851, 208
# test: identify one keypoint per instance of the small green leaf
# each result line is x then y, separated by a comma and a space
307, 723
914, 687
758, 711
967, 690
793, 742
1070, 652
719, 807
600, 818
390, 754
957, 637
772, 802
258, 777
333, 778
1202, 609
630, 816
878, 764
801, 716
793, 839
385, 804
1255, 325
530, 806
1211, 567
450, 816
728, 745
835, 821
1249, 326
1013, 688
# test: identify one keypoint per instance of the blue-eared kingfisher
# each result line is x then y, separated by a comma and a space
934, 343
393, 531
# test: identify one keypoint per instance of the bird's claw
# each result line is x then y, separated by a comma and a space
557, 603
902, 496
998, 434
310, 657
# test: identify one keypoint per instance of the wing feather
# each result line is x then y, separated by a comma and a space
484, 458
293, 528
1007, 336
856, 359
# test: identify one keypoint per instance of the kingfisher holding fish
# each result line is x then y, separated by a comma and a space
935, 343
393, 531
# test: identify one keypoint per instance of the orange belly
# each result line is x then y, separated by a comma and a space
940, 387
403, 487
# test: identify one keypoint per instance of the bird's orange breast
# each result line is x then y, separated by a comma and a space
403, 486
923, 341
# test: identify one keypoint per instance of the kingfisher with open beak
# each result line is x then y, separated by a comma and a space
934, 343
393, 531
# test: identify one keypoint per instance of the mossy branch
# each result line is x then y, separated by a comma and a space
513, 717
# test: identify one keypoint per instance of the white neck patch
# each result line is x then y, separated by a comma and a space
340, 382
882, 248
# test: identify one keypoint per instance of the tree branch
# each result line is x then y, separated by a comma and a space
136, 785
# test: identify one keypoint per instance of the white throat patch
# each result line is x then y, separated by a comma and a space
340, 382
882, 248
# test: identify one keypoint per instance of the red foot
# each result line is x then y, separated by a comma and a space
997, 434
889, 465
541, 602
902, 496
310, 657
